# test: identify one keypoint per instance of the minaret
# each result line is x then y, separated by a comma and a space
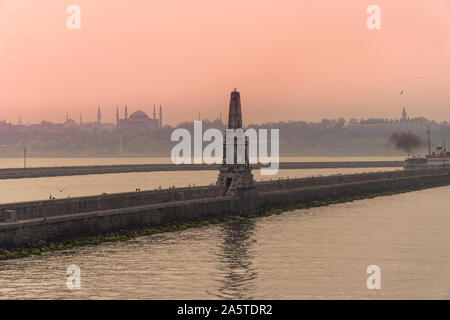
126, 112
160, 116
235, 177
99, 115
154, 111
81, 120
67, 117
117, 116
404, 115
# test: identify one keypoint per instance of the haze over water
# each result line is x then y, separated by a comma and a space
296, 61
99, 161
30, 189
316, 253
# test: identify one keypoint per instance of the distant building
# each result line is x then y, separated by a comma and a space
139, 119
99, 116
160, 116
404, 116
70, 123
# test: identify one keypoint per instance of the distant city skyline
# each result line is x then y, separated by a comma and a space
121, 118
298, 60
109, 115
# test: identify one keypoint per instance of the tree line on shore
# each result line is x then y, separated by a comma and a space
330, 137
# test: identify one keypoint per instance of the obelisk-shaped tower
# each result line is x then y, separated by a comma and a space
235, 113
235, 177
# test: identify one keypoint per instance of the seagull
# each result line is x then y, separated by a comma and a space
401, 93
60, 190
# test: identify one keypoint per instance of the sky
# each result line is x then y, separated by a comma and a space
290, 59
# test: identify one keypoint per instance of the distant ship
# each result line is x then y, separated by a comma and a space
438, 159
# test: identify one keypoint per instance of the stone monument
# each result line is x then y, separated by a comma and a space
235, 177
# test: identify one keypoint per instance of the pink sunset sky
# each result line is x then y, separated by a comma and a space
290, 59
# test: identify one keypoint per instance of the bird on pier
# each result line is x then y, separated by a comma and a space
59, 189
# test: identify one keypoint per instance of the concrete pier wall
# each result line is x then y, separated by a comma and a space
337, 179
66, 219
309, 195
55, 228
47, 208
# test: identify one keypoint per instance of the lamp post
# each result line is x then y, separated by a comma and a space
25, 157
444, 153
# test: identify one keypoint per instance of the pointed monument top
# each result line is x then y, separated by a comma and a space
235, 115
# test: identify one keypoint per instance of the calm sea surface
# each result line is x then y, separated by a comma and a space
315, 253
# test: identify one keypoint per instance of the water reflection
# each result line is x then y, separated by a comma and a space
307, 254
235, 255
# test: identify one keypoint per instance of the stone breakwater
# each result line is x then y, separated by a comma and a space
32, 224
39, 172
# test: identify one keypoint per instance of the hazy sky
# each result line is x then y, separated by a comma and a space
290, 59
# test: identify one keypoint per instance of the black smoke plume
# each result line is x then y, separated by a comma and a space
405, 141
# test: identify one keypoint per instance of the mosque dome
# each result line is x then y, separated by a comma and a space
139, 116
70, 123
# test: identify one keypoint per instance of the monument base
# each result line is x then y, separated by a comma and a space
235, 178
